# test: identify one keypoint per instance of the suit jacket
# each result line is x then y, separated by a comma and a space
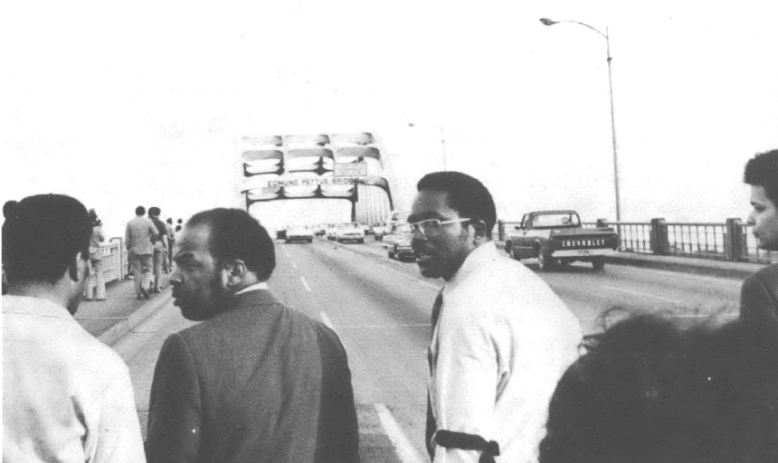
259, 382
759, 294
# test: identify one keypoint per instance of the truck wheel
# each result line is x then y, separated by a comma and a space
390, 253
598, 263
509, 248
544, 262
515, 254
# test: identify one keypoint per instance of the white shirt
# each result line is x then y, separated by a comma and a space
502, 342
67, 397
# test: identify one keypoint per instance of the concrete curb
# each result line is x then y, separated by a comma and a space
127, 324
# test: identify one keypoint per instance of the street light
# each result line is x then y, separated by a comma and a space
442, 141
549, 22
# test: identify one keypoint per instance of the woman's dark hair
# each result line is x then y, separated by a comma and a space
43, 236
466, 195
234, 234
652, 391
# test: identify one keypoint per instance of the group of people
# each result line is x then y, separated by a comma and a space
149, 242
259, 381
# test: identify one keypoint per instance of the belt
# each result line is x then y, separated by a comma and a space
464, 441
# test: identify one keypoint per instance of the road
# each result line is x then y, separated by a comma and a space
380, 308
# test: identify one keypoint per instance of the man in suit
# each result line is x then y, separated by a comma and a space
256, 381
759, 294
66, 395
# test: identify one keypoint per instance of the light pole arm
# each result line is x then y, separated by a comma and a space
585, 25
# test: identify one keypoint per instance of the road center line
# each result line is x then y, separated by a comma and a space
293, 264
404, 448
638, 293
305, 283
286, 252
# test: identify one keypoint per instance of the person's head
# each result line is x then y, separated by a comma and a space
46, 245
653, 392
180, 221
220, 252
459, 215
140, 210
94, 219
154, 211
762, 174
178, 228
9, 207
169, 221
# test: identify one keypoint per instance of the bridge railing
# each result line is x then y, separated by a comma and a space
729, 240
114, 260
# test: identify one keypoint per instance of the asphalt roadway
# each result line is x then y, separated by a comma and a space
380, 308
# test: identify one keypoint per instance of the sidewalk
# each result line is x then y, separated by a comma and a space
708, 267
111, 319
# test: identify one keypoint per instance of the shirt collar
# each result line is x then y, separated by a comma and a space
254, 287
34, 306
480, 256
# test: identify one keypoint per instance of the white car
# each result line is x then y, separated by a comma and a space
299, 233
352, 231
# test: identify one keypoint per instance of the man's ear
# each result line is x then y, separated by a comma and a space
479, 229
236, 271
78, 268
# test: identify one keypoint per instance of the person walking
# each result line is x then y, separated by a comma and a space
67, 397
256, 381
160, 248
137, 237
96, 287
501, 338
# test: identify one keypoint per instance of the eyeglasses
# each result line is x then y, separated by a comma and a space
432, 227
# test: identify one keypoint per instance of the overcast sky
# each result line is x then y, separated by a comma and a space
143, 103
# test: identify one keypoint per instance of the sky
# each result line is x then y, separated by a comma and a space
135, 104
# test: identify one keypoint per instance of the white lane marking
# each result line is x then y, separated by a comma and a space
293, 264
286, 252
416, 279
305, 283
327, 320
638, 293
404, 448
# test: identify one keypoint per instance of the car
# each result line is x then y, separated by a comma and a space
379, 230
398, 242
331, 229
320, 229
299, 233
351, 231
558, 237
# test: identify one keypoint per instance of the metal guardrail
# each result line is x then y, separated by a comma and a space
114, 260
730, 240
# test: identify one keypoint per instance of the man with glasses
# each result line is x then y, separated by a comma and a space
759, 294
501, 339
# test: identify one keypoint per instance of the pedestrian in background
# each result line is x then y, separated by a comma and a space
256, 381
501, 338
137, 237
8, 210
759, 293
67, 397
160, 248
171, 239
96, 287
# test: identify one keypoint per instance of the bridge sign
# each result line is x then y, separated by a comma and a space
351, 169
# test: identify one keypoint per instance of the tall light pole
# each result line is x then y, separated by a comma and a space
442, 141
549, 22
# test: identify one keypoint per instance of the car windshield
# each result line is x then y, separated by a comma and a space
564, 219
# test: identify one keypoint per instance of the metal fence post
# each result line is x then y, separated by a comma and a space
659, 243
734, 244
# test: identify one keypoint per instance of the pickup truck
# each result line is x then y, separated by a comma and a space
558, 237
